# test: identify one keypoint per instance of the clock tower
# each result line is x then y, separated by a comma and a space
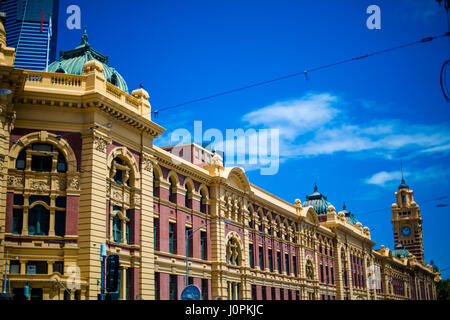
407, 222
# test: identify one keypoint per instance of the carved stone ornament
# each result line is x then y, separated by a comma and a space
74, 184
39, 185
15, 181
100, 144
147, 164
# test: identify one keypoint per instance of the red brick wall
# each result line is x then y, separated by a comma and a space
72, 203
9, 211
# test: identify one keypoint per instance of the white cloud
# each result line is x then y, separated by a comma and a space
295, 117
381, 178
317, 125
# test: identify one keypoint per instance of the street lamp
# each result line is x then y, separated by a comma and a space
188, 236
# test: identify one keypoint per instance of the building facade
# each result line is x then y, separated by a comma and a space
27, 23
79, 169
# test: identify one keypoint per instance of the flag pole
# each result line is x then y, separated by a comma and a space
49, 33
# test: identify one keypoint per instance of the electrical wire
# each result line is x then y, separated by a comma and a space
305, 72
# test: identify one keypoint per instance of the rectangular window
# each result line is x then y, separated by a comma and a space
173, 287
17, 221
297, 295
261, 258
157, 284
14, 267
189, 241
203, 245
264, 292
294, 265
127, 227
250, 253
204, 289
321, 273
286, 262
156, 233
332, 275
253, 292
326, 274
172, 237
273, 293
281, 294
58, 266
279, 261
37, 267
60, 223
270, 260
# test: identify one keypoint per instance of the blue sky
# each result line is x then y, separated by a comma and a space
346, 128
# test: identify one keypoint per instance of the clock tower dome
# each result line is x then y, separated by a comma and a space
407, 222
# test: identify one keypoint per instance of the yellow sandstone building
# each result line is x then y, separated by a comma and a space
79, 169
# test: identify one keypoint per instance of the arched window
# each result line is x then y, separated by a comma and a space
172, 189
154, 184
233, 252
188, 195
203, 201
39, 209
39, 157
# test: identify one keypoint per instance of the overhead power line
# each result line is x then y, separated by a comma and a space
261, 83
305, 72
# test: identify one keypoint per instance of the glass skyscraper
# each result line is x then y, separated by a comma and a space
26, 24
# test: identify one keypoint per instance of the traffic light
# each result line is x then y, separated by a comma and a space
112, 273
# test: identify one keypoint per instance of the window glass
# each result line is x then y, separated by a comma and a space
21, 160
60, 223
17, 221
35, 198
58, 266
117, 229
38, 220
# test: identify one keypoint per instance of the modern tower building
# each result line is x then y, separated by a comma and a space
26, 24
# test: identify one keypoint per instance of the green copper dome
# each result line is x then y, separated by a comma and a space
72, 62
349, 216
318, 201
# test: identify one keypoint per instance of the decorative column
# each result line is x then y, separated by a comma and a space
147, 269
92, 213
218, 267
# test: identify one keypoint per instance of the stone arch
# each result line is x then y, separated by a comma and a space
44, 137
125, 154
172, 175
188, 182
204, 188
236, 177
157, 171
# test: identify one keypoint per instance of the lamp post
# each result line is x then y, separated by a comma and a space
188, 236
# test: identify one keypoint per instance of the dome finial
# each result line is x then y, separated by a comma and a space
403, 184
84, 37
315, 187
344, 207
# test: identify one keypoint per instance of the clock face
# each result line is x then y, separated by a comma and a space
406, 231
